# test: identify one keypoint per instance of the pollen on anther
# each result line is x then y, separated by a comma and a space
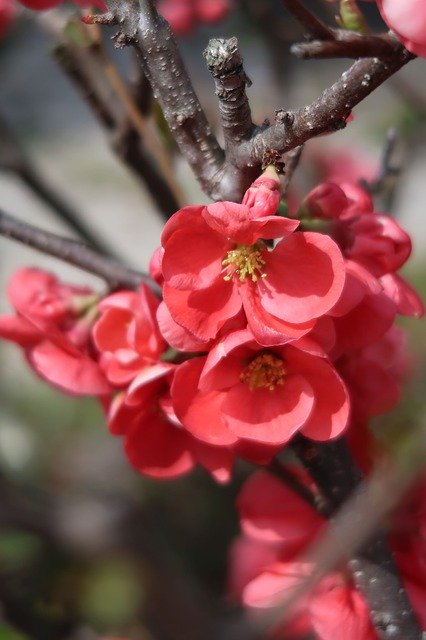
245, 261
265, 371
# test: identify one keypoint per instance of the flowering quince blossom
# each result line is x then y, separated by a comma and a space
130, 347
243, 391
267, 562
217, 262
366, 348
52, 324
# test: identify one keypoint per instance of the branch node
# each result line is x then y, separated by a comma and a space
121, 40
274, 158
284, 117
108, 19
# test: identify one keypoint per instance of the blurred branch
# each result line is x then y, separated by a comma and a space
73, 252
385, 183
291, 162
313, 26
143, 28
347, 44
131, 533
128, 131
333, 469
14, 159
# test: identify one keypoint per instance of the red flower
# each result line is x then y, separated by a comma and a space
53, 325
216, 262
372, 239
131, 346
154, 440
241, 391
127, 334
278, 525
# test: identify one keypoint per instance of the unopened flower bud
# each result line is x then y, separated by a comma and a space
327, 200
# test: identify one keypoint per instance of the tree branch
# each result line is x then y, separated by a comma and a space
95, 78
291, 162
13, 158
143, 28
325, 114
347, 44
313, 26
225, 63
73, 252
333, 469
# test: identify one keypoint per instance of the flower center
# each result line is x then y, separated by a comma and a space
244, 260
265, 371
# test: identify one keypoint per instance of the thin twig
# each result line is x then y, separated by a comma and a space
384, 185
13, 158
291, 162
313, 25
73, 252
347, 45
290, 479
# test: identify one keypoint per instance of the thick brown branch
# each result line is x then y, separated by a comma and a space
73, 252
142, 27
313, 26
325, 114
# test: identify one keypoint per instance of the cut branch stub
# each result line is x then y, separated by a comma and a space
225, 63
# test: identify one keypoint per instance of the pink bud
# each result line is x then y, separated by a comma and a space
264, 194
407, 18
327, 200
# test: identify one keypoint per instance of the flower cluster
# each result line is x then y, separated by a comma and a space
266, 566
266, 329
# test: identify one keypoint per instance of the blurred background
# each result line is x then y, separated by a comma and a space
87, 547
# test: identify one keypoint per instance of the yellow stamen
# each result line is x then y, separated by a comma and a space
265, 371
245, 260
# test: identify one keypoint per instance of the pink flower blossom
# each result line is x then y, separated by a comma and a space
52, 324
241, 391
278, 526
216, 263
154, 440
127, 334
